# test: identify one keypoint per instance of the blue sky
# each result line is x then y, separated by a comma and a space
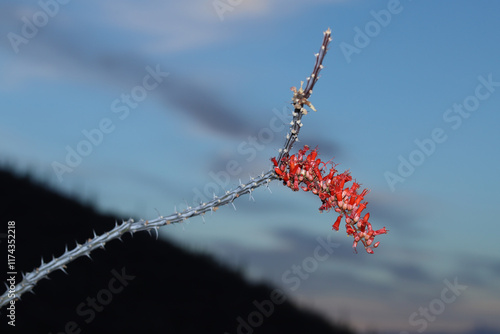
396, 74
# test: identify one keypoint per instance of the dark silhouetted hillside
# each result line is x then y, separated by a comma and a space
142, 285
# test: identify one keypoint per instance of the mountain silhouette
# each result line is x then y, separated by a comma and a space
140, 285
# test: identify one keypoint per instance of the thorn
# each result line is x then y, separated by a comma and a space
233, 206
158, 212
63, 269
156, 230
95, 235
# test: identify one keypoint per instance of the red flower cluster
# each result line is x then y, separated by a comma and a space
308, 173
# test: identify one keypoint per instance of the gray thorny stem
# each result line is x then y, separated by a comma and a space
300, 98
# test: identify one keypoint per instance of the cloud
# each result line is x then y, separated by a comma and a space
170, 26
72, 47
64, 56
167, 26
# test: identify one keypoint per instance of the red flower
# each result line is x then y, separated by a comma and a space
310, 174
337, 223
